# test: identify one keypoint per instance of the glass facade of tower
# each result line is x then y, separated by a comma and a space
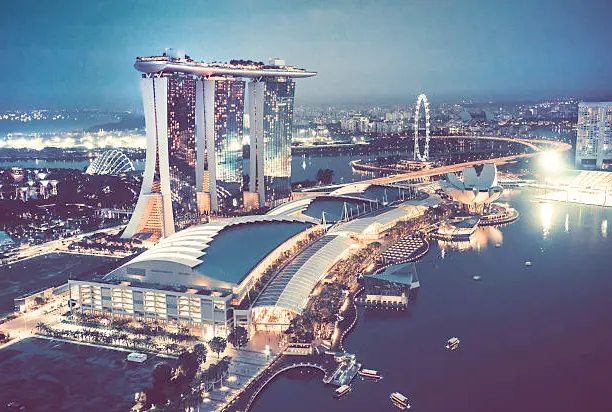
594, 135
229, 124
277, 132
182, 149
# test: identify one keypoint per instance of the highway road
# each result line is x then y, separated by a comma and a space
55, 246
536, 145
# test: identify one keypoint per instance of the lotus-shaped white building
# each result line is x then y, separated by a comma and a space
475, 191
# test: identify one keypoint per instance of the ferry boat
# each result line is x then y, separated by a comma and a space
137, 357
399, 400
341, 391
452, 343
370, 373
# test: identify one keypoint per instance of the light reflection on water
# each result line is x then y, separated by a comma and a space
546, 217
484, 236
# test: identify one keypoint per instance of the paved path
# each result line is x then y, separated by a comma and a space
244, 399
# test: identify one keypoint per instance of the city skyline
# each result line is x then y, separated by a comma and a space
472, 50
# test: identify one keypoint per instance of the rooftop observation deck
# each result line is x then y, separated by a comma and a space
236, 68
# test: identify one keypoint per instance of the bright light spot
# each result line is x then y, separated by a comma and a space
550, 161
546, 216
232, 378
604, 228
224, 388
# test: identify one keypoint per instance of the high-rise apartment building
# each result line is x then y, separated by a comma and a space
194, 116
594, 136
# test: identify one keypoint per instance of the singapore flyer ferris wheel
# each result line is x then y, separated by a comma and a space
417, 151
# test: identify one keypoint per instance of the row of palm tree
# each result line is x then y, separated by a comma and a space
145, 343
144, 331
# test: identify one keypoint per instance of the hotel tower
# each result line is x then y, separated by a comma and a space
194, 117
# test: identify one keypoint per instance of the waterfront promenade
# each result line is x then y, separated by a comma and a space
322, 362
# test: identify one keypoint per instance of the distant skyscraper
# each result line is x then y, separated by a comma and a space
194, 116
594, 135
271, 121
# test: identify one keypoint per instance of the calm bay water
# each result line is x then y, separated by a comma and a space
302, 168
532, 338
58, 164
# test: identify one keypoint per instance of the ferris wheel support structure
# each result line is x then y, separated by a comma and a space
417, 152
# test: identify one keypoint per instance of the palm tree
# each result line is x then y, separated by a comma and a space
43, 327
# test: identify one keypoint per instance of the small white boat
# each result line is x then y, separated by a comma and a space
452, 343
370, 373
476, 277
399, 400
341, 391
498, 245
136, 357
528, 263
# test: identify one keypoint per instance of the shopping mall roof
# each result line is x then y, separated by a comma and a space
216, 254
292, 286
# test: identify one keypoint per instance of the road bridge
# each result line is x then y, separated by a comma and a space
535, 145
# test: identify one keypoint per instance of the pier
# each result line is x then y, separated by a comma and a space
329, 364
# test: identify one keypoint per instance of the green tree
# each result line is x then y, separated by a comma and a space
325, 176
217, 345
238, 337
200, 351
189, 362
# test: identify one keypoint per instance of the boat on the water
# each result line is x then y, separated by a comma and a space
452, 343
528, 263
136, 357
341, 391
399, 400
370, 373
476, 277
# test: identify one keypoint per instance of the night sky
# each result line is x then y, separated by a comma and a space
80, 53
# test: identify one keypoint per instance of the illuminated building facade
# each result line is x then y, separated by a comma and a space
167, 200
222, 108
194, 115
182, 149
594, 135
271, 120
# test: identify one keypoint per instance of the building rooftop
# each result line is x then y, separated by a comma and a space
179, 63
217, 254
405, 274
291, 287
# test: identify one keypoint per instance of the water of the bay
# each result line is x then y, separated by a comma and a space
533, 338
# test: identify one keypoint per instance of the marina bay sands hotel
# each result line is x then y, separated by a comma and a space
195, 120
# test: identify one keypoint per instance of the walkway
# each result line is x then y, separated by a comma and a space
244, 400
